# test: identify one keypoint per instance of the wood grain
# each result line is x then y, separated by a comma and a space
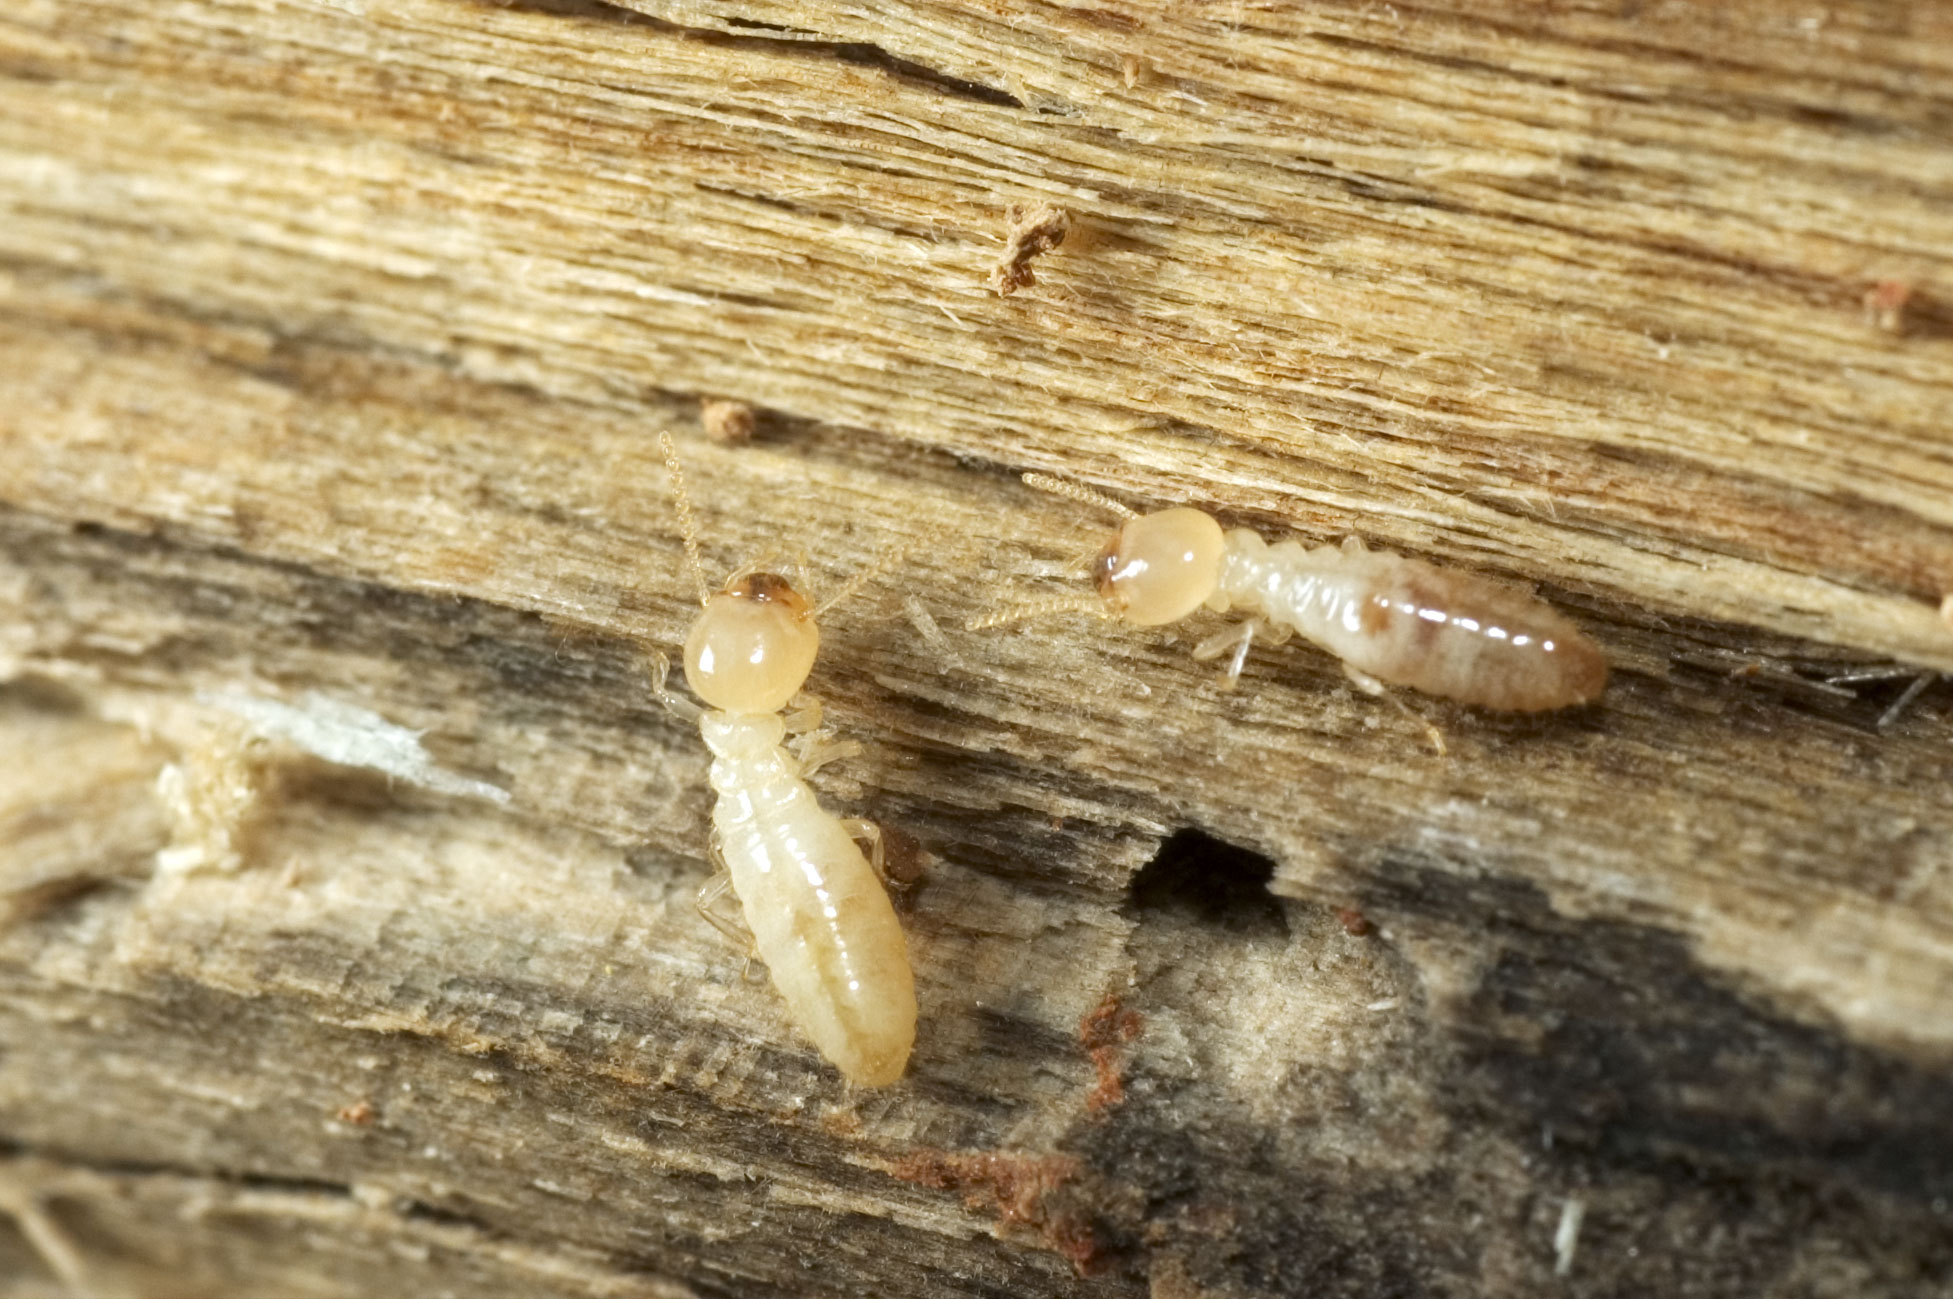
334, 343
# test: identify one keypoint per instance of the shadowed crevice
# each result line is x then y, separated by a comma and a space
1210, 882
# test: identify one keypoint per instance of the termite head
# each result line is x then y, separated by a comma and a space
1161, 567
752, 648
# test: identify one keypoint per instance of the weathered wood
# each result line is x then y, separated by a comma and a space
333, 346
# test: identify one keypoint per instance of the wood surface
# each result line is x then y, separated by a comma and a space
335, 339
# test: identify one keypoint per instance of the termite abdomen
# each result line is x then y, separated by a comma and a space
1466, 638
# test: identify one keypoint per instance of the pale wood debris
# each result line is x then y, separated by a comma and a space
729, 423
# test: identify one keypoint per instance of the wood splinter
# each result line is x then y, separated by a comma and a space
1032, 231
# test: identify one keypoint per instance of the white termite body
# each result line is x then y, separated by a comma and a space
1408, 623
815, 907
819, 916
1389, 619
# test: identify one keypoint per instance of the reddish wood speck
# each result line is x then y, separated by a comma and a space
1355, 923
1018, 1188
1104, 1029
1885, 305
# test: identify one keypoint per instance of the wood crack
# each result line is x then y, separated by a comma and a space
791, 41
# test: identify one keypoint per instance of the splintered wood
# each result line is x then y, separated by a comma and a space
348, 860
1032, 232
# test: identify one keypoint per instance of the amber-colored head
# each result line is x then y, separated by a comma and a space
752, 648
1161, 567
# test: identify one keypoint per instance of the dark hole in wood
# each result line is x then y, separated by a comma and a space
1210, 882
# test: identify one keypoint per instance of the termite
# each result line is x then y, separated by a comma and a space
1390, 619
812, 900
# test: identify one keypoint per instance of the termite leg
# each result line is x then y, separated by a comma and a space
1240, 659
1240, 639
683, 709
710, 895
1431, 731
1220, 642
820, 748
806, 716
1353, 545
868, 834
1369, 685
815, 746
1363, 681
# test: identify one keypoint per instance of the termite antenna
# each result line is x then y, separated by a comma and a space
1082, 494
1039, 606
687, 525
881, 564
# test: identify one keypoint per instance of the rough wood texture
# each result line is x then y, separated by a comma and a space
333, 342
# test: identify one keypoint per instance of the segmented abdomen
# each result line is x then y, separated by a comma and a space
1409, 623
820, 918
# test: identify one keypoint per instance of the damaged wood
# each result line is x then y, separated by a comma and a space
335, 347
